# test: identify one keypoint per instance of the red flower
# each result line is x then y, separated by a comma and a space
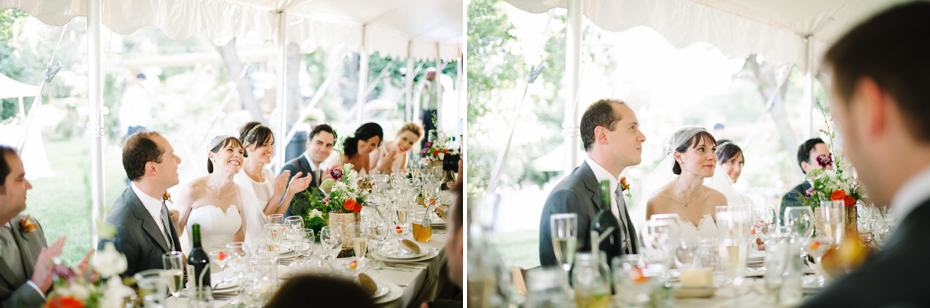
436, 152
623, 184
850, 201
64, 302
838, 195
350, 205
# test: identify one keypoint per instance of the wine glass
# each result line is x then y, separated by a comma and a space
816, 247
378, 231
731, 227
564, 229
800, 219
763, 222
174, 266
834, 220
332, 241
275, 218
220, 257
236, 249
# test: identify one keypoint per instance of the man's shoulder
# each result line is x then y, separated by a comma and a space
294, 164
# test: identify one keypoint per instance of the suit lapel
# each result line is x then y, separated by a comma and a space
305, 166
25, 251
590, 182
146, 219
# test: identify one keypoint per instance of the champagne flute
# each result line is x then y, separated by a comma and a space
731, 226
564, 229
834, 220
174, 266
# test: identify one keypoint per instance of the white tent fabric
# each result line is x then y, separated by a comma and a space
775, 29
424, 29
10, 88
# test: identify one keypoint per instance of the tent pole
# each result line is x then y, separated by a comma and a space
362, 80
408, 87
440, 66
95, 127
572, 72
281, 104
809, 87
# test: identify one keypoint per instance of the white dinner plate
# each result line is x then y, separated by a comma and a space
431, 253
388, 253
383, 289
394, 292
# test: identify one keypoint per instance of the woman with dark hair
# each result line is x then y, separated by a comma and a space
730, 158
226, 212
274, 193
407, 136
356, 148
691, 158
312, 290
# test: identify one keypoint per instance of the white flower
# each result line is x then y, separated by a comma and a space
109, 262
316, 213
441, 155
340, 186
115, 293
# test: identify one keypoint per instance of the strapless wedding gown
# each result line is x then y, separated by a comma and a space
706, 228
216, 227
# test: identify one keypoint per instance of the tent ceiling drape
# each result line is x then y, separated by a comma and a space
424, 29
775, 29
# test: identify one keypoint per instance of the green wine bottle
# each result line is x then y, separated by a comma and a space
198, 260
605, 223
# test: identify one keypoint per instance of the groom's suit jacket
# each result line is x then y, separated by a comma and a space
137, 234
577, 193
793, 197
15, 292
300, 164
898, 276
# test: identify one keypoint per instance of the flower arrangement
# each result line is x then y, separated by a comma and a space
97, 285
836, 184
436, 149
347, 194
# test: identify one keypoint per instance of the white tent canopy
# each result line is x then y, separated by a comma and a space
422, 29
10, 88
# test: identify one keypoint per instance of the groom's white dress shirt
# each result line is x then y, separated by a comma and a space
153, 206
912, 194
601, 175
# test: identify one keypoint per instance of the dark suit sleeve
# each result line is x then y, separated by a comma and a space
792, 198
560, 201
124, 242
24, 296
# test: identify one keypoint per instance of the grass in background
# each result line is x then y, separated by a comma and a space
519, 247
62, 203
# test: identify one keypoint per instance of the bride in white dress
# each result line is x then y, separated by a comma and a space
677, 184
226, 213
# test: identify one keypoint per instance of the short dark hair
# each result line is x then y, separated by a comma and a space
693, 142
364, 132
804, 151
5, 168
891, 48
295, 291
601, 113
727, 150
139, 150
221, 142
254, 133
322, 128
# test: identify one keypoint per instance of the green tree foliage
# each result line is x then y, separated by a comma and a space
491, 63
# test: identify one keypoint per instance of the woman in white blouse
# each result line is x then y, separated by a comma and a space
270, 190
407, 136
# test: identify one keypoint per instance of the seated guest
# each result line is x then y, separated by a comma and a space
356, 149
612, 139
320, 144
407, 136
312, 290
807, 160
879, 93
226, 213
730, 158
25, 257
274, 194
144, 228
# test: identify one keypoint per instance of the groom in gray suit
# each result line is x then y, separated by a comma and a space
145, 228
612, 140
25, 262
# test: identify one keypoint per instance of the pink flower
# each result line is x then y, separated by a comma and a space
336, 174
824, 160
809, 192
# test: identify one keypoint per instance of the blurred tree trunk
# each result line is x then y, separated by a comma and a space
773, 94
243, 85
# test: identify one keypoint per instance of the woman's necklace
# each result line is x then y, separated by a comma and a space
682, 192
222, 192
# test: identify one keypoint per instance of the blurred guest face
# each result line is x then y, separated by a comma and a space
733, 167
405, 141
228, 158
699, 159
262, 152
626, 140
366, 146
13, 191
819, 149
166, 172
320, 146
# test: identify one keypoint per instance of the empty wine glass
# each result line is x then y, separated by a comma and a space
800, 219
275, 218
220, 258
763, 222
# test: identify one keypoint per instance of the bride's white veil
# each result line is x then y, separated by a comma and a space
662, 174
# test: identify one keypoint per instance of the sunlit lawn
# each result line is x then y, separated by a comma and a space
62, 203
519, 247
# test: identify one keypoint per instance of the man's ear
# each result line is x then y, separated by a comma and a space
870, 94
150, 168
805, 165
600, 134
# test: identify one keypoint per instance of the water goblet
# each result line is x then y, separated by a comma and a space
275, 218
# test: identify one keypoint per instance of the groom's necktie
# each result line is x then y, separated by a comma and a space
624, 221
10, 252
166, 222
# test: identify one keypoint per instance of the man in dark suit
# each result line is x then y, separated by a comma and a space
807, 160
879, 96
145, 230
25, 257
320, 144
612, 139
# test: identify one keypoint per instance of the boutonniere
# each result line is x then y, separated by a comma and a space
166, 197
624, 186
26, 225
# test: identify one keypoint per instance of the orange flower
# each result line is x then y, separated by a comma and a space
623, 184
350, 205
26, 225
436, 152
850, 201
637, 275
838, 195
64, 302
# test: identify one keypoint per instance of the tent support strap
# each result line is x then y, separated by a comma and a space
95, 125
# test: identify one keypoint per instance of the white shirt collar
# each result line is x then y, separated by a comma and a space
312, 164
151, 204
912, 194
602, 174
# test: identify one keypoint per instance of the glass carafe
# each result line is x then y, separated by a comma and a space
590, 281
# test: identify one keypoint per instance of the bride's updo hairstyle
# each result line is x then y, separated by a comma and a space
221, 142
254, 133
685, 138
364, 132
